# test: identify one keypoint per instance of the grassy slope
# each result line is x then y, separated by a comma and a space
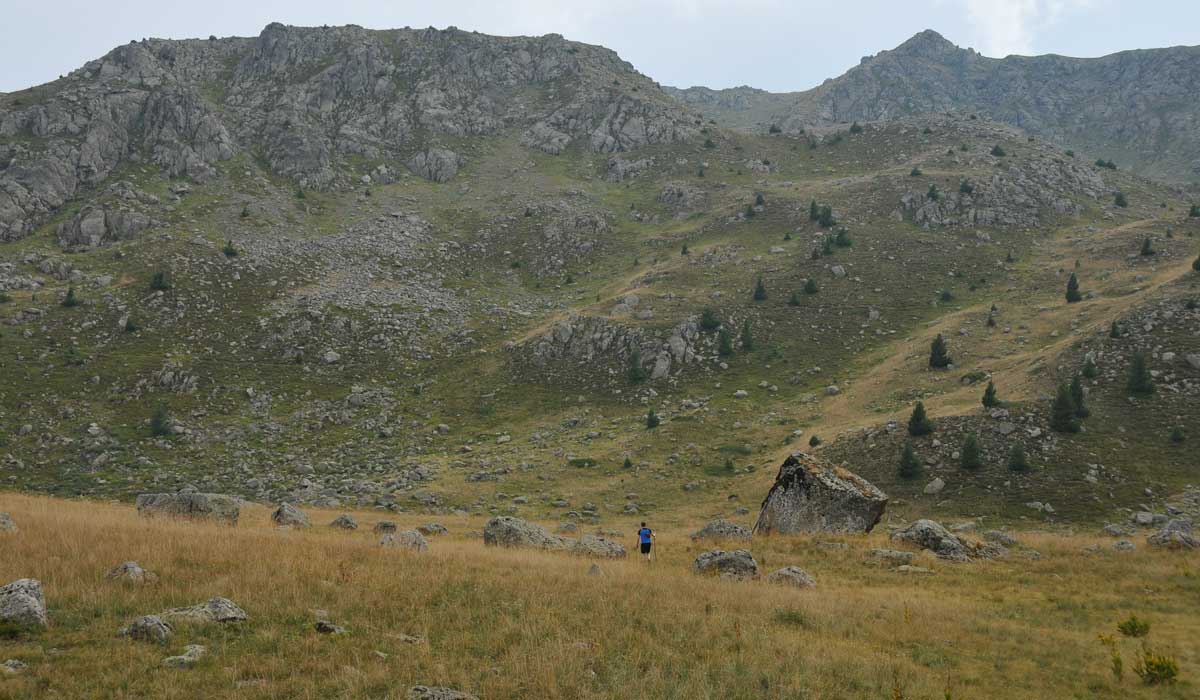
517, 624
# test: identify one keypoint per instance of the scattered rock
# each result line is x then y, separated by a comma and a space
930, 535
13, 666
721, 530
507, 531
327, 627
405, 539
345, 522
288, 515
22, 604
421, 692
738, 564
1176, 534
148, 628
192, 653
7, 524
201, 506
792, 576
935, 487
591, 545
220, 610
385, 527
892, 556
1000, 537
431, 529
130, 572
810, 495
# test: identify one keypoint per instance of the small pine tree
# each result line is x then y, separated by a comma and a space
684, 250
814, 441
794, 300
971, 456
842, 239
938, 356
747, 338
1009, 258
1140, 381
229, 250
1078, 396
814, 212
915, 172
1177, 435
827, 246
1062, 413
760, 291
1016, 459
965, 187
910, 466
825, 218
919, 423
1073, 294
724, 343
934, 193
759, 200
998, 151
708, 320
750, 211
160, 421
70, 300
131, 327
636, 372
1194, 212
652, 420
990, 400
1196, 264
1147, 246
1114, 331
991, 322
1121, 200
628, 464
946, 296
160, 281
1089, 370
856, 128
810, 286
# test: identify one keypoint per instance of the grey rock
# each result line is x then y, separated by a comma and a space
201, 506
327, 627
594, 546
13, 666
131, 572
436, 164
421, 692
738, 564
7, 524
792, 576
384, 527
507, 531
810, 495
930, 535
1176, 534
344, 522
289, 515
148, 628
432, 529
892, 556
935, 487
405, 539
192, 654
1000, 537
220, 610
721, 529
22, 603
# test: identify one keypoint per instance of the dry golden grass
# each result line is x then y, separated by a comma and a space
519, 624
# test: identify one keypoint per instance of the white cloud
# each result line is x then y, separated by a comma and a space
1010, 26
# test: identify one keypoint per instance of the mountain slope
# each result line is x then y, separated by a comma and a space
1134, 107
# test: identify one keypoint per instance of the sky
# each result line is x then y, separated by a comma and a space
777, 45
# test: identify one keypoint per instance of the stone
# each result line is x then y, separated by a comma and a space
738, 564
220, 610
892, 556
1176, 534
908, 569
930, 535
1123, 546
436, 164
432, 529
192, 653
507, 531
327, 627
595, 546
130, 572
288, 515
22, 604
721, 529
792, 576
199, 506
344, 522
811, 495
422, 692
148, 628
13, 666
385, 527
838, 271
7, 524
595, 570
1000, 537
405, 539
935, 487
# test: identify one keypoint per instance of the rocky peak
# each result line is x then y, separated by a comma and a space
926, 44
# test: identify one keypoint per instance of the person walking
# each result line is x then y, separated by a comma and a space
645, 540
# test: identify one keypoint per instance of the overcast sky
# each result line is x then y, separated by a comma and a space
773, 44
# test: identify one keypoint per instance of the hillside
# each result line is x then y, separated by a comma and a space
1132, 107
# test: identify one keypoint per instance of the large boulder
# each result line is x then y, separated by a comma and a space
344, 521
810, 495
721, 529
288, 515
1176, 534
792, 576
738, 564
199, 506
507, 531
211, 610
148, 628
405, 539
22, 604
595, 546
930, 535
436, 164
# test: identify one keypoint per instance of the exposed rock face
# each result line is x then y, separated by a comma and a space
1176, 534
590, 342
681, 196
721, 530
405, 539
792, 576
22, 604
148, 628
94, 227
130, 572
810, 495
738, 564
506, 531
930, 535
288, 515
220, 610
307, 99
201, 506
1133, 103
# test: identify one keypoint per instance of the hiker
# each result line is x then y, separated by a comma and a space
646, 539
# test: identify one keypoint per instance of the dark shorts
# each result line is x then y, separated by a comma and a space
645, 548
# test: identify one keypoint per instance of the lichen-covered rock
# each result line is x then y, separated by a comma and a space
738, 564
200, 506
722, 530
421, 692
148, 628
507, 531
432, 529
220, 610
810, 495
22, 604
288, 515
192, 653
405, 539
130, 572
1176, 534
930, 535
595, 546
344, 522
792, 576
436, 164
385, 527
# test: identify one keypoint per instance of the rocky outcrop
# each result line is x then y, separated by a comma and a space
930, 535
596, 546
591, 342
22, 604
221, 610
1176, 534
507, 531
810, 495
199, 506
148, 628
288, 515
436, 164
738, 564
94, 227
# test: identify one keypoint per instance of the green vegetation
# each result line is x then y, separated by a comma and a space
160, 421
918, 422
998, 151
724, 343
1073, 294
1062, 413
636, 372
1016, 459
1120, 200
652, 420
160, 281
971, 456
760, 290
747, 339
939, 356
1078, 398
70, 300
709, 320
990, 400
1147, 247
1140, 382
910, 465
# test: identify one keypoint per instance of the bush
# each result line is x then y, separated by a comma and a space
825, 217
652, 420
1120, 200
1016, 459
1156, 669
229, 250
1114, 331
814, 441
160, 281
1194, 212
919, 423
774, 129
1196, 264
750, 211
910, 466
747, 338
708, 320
933, 192
990, 400
998, 151
965, 187
1073, 294
938, 355
160, 421
636, 373
1134, 627
810, 286
760, 291
1077, 395
1177, 435
971, 456
684, 250
915, 172
842, 238
628, 464
759, 200
1147, 247
946, 296
795, 299
5, 298
1140, 381
1089, 369
70, 301
1062, 413
1101, 163
131, 327
724, 343
856, 128
827, 246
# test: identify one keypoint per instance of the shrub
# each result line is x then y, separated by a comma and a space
1102, 163
1196, 264
1177, 435
915, 172
825, 217
708, 320
160, 281
1114, 331
965, 187
990, 400
1140, 381
827, 246
708, 143
1073, 294
919, 423
1114, 655
1194, 212
795, 299
636, 373
998, 151
724, 343
856, 128
229, 250
1134, 627
5, 298
842, 238
933, 192
946, 296
70, 300
1156, 669
1121, 200
628, 464
684, 250
971, 456
1070, 153
774, 129
300, 193
938, 355
910, 466
760, 291
652, 420
747, 338
759, 200
131, 327
750, 211
814, 441
1016, 459
810, 286
1089, 369
814, 211
1077, 395
1062, 413
160, 421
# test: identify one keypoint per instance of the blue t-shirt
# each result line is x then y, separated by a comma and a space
645, 534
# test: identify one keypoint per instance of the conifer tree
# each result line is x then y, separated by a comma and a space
814, 441
1089, 370
1114, 331
990, 399
70, 300
637, 373
1062, 413
747, 338
1140, 381
760, 291
1016, 459
160, 421
1147, 247
938, 357
651, 420
724, 343
810, 286
1073, 294
971, 457
795, 299
919, 423
1078, 396
910, 466
708, 320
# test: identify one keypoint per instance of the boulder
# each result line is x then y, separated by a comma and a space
507, 531
22, 604
213, 610
431, 529
738, 564
436, 164
148, 628
13, 666
721, 529
385, 527
930, 535
810, 495
199, 506
792, 576
130, 572
422, 692
344, 522
892, 556
405, 539
1000, 537
191, 654
1176, 534
7, 524
288, 515
593, 546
